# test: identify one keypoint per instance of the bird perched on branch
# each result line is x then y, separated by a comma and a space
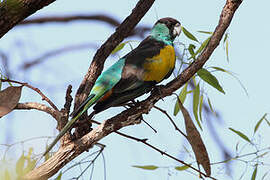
134, 74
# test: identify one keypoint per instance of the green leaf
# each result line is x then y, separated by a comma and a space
20, 165
205, 32
59, 176
30, 165
191, 48
182, 97
119, 47
259, 123
227, 49
220, 69
29, 152
230, 73
200, 107
7, 175
181, 168
196, 97
254, 174
201, 47
267, 122
150, 167
225, 38
210, 79
240, 134
210, 105
188, 34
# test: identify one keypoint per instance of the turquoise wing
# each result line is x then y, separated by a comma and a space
105, 82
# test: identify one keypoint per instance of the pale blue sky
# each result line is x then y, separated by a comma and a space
248, 47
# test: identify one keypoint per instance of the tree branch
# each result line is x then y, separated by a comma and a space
33, 88
110, 20
171, 120
128, 117
144, 141
41, 107
14, 11
79, 17
55, 52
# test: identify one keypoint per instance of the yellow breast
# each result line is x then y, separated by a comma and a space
157, 67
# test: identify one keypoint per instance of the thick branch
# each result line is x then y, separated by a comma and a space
41, 107
129, 117
14, 11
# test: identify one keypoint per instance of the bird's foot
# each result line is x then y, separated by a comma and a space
130, 104
158, 90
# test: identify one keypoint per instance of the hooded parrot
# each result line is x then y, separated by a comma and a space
134, 74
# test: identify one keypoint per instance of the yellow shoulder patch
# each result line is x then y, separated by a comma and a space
157, 67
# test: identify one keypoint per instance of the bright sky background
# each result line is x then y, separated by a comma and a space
248, 47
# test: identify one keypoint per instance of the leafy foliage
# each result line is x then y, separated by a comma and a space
210, 79
24, 164
259, 123
148, 167
182, 96
242, 135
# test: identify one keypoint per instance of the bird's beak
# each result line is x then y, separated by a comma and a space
177, 30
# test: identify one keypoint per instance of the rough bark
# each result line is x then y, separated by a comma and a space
129, 117
14, 11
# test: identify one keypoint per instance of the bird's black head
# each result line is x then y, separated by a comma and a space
173, 25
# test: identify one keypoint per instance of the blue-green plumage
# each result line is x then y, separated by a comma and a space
134, 74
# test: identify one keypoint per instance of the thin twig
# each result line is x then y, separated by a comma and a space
240, 156
55, 52
92, 161
80, 162
162, 152
156, 149
149, 125
33, 88
175, 126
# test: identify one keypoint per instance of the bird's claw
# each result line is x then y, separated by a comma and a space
158, 90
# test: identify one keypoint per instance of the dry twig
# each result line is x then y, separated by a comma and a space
33, 88
41, 107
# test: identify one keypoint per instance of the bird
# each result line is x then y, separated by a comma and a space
134, 74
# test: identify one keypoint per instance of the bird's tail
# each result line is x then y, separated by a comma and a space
92, 98
81, 107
